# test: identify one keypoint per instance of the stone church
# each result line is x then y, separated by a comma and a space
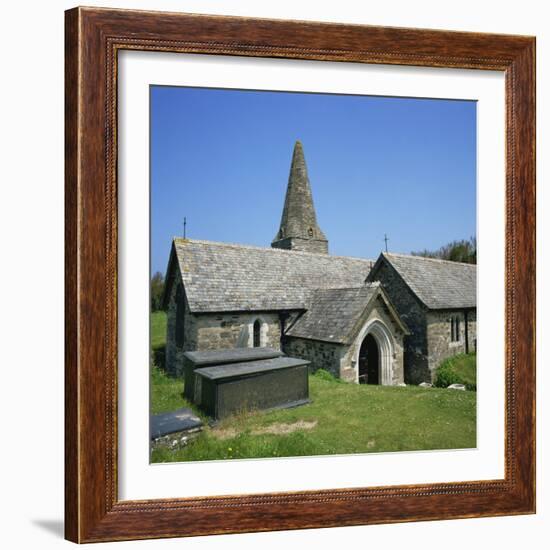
389, 321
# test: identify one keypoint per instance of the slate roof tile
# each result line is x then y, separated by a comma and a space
439, 284
228, 277
332, 313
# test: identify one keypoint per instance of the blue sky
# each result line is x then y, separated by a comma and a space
401, 166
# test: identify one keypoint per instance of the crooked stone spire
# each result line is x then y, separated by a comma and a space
299, 229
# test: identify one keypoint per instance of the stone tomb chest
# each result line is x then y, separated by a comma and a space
227, 389
197, 359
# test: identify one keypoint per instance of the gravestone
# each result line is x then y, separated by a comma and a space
193, 360
180, 420
228, 389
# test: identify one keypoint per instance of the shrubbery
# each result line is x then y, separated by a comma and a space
445, 376
460, 369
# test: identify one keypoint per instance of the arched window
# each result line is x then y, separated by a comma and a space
180, 317
256, 333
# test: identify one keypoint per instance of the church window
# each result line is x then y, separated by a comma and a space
455, 329
310, 231
256, 333
180, 320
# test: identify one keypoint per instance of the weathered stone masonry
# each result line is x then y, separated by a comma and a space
174, 353
440, 340
233, 330
323, 355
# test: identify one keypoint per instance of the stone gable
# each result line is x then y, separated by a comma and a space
430, 341
414, 316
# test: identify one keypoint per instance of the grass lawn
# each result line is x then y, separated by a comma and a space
158, 338
158, 330
460, 369
341, 418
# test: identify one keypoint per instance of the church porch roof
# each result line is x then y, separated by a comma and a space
335, 314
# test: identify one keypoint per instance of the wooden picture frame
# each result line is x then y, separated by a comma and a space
93, 511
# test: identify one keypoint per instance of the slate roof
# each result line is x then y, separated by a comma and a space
227, 277
333, 314
439, 284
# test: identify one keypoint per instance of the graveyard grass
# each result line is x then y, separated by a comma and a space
342, 418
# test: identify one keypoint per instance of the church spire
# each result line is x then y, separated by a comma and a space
299, 229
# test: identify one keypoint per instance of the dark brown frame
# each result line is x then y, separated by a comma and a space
92, 509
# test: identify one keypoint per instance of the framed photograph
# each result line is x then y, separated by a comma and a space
289, 246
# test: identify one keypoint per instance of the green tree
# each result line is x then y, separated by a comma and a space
157, 290
456, 251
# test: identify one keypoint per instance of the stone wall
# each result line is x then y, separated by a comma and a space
231, 330
413, 314
317, 246
440, 344
472, 331
323, 355
174, 354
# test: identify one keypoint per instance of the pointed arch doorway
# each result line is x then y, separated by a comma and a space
374, 357
369, 361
